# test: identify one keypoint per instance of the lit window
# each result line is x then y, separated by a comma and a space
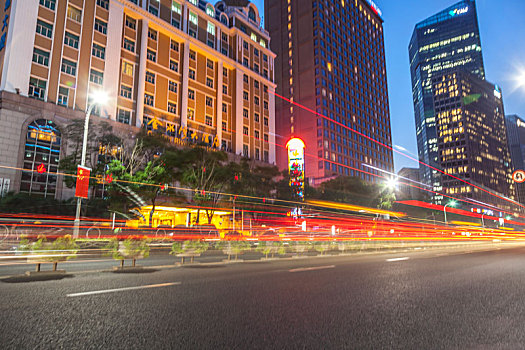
193, 18
211, 28
127, 68
74, 14
254, 37
209, 11
176, 7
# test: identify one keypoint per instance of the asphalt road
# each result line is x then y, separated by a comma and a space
425, 300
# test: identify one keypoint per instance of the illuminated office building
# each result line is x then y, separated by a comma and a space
516, 140
193, 71
331, 59
448, 40
471, 138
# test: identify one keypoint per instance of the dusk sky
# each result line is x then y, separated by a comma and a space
502, 26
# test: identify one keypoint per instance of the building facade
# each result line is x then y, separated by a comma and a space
448, 40
331, 60
193, 71
408, 177
472, 140
516, 138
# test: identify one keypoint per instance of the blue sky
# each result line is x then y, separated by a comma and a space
502, 26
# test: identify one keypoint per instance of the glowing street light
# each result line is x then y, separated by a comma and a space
100, 98
391, 183
449, 204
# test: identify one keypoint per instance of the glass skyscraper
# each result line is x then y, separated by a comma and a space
446, 41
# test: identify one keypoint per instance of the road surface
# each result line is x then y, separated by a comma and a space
423, 300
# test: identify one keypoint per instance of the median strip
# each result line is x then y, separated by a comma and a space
312, 268
397, 259
123, 289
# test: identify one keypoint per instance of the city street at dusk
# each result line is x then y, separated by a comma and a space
429, 300
262, 174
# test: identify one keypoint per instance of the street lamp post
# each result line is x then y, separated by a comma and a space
99, 98
452, 204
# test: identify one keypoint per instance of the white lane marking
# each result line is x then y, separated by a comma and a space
301, 269
398, 259
123, 289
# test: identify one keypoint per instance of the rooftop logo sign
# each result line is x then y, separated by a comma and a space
375, 8
458, 11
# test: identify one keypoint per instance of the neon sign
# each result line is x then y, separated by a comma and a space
375, 8
458, 11
295, 149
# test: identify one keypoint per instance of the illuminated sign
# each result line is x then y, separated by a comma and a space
519, 176
41, 169
180, 135
295, 149
497, 92
82, 187
375, 8
458, 11
5, 24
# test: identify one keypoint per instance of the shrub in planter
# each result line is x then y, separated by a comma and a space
300, 247
188, 249
322, 247
42, 251
267, 247
233, 248
131, 248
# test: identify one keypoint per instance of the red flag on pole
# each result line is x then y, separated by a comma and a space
82, 182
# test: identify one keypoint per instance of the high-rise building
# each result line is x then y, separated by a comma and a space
331, 60
408, 177
516, 139
189, 69
471, 138
448, 40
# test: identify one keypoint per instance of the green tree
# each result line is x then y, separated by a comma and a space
140, 173
206, 173
102, 146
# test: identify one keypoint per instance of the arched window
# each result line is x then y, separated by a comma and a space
41, 155
251, 14
210, 11
224, 19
